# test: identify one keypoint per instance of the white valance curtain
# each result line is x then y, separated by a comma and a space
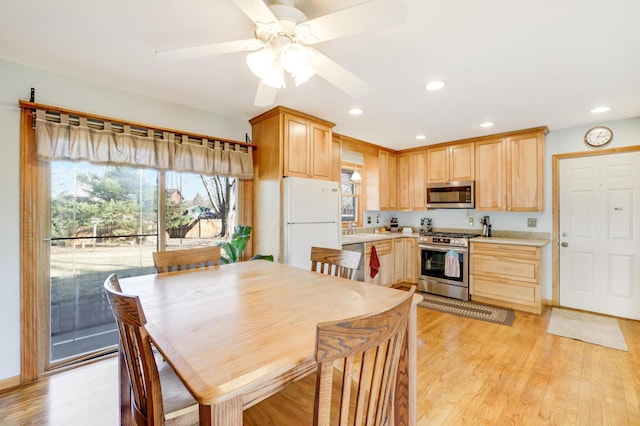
78, 138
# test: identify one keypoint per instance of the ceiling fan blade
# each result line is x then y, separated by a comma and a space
259, 12
265, 95
335, 74
361, 18
211, 49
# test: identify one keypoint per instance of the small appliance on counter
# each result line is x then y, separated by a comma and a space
426, 225
486, 226
393, 225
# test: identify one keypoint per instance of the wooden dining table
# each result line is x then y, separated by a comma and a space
236, 334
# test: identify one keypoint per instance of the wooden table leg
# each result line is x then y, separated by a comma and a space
225, 413
126, 418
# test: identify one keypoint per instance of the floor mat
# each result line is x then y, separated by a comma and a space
590, 328
469, 309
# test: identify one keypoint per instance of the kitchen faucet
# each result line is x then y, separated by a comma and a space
352, 228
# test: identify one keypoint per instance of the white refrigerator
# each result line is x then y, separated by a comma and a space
311, 218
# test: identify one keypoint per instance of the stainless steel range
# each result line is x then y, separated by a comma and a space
444, 263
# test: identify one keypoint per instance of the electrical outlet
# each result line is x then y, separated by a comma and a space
532, 222
369, 220
470, 221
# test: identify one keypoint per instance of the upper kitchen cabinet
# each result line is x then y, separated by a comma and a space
525, 172
379, 174
510, 171
411, 180
298, 144
387, 172
490, 179
450, 163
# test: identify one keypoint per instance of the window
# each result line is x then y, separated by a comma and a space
351, 209
104, 219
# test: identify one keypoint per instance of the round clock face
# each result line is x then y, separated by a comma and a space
598, 136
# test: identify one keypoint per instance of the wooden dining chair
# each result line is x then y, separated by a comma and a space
167, 261
157, 395
361, 391
341, 263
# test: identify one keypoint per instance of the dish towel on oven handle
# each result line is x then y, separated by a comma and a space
452, 264
374, 262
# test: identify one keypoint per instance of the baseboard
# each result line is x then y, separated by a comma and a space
9, 383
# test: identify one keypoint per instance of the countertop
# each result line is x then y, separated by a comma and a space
512, 241
366, 237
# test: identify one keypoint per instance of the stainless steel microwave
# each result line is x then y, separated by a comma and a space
451, 195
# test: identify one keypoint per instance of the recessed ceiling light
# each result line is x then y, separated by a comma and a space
486, 124
420, 137
600, 109
435, 85
355, 111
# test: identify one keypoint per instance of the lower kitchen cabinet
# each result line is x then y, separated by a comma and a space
506, 275
386, 271
406, 260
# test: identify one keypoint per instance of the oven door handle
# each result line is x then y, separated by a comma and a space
442, 249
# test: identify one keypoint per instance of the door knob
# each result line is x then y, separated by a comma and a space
565, 244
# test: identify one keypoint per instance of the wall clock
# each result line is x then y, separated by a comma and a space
598, 136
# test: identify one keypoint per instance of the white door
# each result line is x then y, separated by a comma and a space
599, 215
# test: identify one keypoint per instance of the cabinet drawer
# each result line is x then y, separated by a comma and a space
506, 267
507, 250
382, 247
515, 292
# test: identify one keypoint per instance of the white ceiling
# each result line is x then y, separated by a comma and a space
519, 64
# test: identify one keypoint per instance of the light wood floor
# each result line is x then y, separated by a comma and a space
469, 372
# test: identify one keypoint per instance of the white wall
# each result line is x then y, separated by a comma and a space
58, 90
626, 133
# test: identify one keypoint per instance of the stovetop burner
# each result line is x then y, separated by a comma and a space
448, 234
452, 239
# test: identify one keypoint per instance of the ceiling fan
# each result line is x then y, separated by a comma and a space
283, 40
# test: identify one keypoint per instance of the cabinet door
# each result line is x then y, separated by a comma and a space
490, 175
399, 245
386, 272
336, 155
411, 260
320, 148
393, 183
296, 146
438, 164
461, 162
404, 199
385, 184
525, 173
418, 175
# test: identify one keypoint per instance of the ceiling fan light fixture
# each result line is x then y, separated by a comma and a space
295, 58
303, 75
261, 62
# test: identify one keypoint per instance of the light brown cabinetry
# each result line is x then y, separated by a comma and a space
490, 183
386, 271
525, 172
289, 143
307, 147
387, 172
506, 275
510, 172
406, 260
411, 180
450, 163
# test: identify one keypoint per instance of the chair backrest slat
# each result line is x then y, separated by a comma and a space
201, 257
340, 263
369, 347
137, 353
